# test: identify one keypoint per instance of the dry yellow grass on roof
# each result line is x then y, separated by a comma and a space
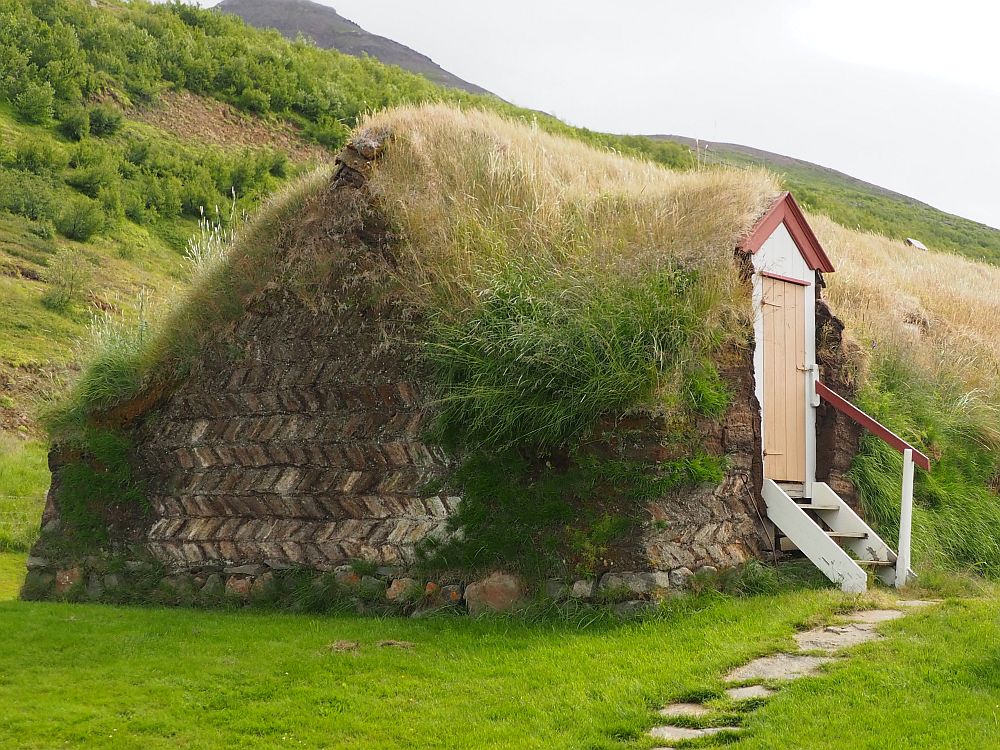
474, 194
941, 311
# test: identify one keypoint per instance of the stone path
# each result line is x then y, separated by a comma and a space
828, 640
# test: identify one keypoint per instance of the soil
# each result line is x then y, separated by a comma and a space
198, 118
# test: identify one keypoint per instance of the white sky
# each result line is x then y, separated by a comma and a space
904, 94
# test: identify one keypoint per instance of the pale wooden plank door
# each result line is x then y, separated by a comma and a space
784, 389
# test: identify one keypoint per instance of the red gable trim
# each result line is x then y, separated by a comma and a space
789, 279
786, 211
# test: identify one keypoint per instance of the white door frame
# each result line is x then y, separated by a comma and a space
779, 256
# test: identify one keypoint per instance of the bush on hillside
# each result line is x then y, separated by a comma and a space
254, 100
74, 123
199, 194
28, 195
39, 155
328, 131
68, 277
104, 120
36, 103
80, 219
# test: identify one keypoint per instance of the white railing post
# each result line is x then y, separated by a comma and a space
905, 520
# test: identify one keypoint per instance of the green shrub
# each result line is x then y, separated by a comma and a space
39, 156
80, 219
44, 228
198, 195
278, 164
104, 120
95, 166
68, 276
135, 202
111, 200
254, 100
28, 195
162, 194
328, 131
74, 123
36, 102
539, 361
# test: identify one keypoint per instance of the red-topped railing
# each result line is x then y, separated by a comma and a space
911, 456
871, 424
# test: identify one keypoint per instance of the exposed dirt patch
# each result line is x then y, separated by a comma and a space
199, 118
17, 271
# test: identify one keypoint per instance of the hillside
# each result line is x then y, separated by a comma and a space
856, 203
329, 30
847, 200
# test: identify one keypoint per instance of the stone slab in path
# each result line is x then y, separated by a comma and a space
748, 692
779, 667
684, 709
687, 733
875, 616
916, 602
833, 638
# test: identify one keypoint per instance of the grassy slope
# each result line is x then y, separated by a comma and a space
24, 477
870, 208
12, 572
123, 260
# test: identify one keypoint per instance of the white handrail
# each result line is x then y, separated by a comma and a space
905, 520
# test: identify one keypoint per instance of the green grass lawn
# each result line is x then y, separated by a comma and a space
933, 683
90, 676
11, 574
24, 479
98, 676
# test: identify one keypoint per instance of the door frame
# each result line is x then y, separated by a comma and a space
779, 257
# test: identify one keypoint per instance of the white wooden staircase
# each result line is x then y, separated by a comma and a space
835, 538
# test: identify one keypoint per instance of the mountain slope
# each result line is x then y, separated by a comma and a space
856, 203
329, 30
849, 201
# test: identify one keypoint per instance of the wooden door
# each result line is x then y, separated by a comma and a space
784, 389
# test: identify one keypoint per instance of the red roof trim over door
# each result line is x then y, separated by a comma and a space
786, 211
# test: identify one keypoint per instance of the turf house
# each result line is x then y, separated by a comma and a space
472, 349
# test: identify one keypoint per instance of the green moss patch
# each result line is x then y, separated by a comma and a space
544, 519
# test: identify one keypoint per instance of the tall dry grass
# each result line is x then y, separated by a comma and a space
940, 310
474, 195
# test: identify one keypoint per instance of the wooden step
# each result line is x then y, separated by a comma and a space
875, 563
818, 506
847, 534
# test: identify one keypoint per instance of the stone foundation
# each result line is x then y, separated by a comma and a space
721, 526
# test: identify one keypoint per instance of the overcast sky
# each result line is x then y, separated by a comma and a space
901, 93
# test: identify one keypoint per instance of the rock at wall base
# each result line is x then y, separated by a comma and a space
499, 592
